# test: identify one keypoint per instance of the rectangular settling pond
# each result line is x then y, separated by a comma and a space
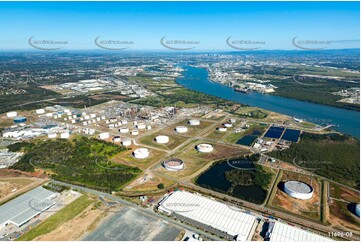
291, 135
274, 132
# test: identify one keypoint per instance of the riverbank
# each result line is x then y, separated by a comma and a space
345, 121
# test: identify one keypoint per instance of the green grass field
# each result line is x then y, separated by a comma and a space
54, 221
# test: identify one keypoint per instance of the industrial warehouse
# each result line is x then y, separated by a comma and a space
209, 215
25, 207
283, 232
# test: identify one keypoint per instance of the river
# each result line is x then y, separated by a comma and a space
345, 121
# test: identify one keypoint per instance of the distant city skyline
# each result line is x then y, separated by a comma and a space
178, 26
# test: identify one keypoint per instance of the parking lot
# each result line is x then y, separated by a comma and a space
131, 224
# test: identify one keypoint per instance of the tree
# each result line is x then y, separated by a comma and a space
160, 186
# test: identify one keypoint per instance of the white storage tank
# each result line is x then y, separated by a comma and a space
141, 153
141, 126
298, 189
116, 139
126, 142
227, 125
357, 210
205, 148
194, 122
123, 130
40, 111
162, 139
222, 129
104, 135
232, 120
181, 129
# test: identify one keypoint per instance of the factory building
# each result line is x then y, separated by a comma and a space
281, 232
210, 215
20, 210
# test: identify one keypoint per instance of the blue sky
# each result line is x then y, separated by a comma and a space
274, 24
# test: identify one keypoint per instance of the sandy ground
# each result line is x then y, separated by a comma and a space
76, 227
21, 184
309, 208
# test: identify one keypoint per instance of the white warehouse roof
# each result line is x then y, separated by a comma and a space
210, 212
23, 208
283, 232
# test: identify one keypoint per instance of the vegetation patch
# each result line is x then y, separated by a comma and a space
54, 221
82, 161
333, 156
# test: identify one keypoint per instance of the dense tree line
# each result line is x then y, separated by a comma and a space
333, 156
256, 176
82, 161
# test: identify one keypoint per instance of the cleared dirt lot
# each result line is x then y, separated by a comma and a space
308, 208
11, 187
76, 227
131, 224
